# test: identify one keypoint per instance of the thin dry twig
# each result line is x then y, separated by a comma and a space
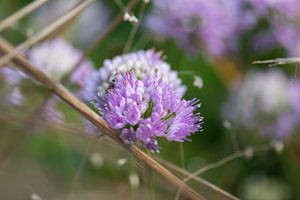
12, 19
196, 178
134, 29
84, 110
278, 61
248, 152
45, 32
79, 171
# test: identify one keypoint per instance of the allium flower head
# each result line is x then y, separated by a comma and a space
141, 62
147, 108
55, 57
263, 102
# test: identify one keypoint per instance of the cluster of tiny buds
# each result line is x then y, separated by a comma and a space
130, 18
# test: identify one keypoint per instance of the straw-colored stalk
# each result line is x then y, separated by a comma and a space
12, 19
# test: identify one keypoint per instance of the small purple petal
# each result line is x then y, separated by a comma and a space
128, 136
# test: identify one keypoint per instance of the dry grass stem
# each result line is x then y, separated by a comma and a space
198, 179
278, 61
248, 153
11, 20
134, 29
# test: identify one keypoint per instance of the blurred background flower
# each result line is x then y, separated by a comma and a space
282, 24
192, 24
12, 91
263, 101
261, 187
56, 58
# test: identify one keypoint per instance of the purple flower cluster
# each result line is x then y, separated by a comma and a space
265, 102
148, 108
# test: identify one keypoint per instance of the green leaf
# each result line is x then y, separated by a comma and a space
149, 110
